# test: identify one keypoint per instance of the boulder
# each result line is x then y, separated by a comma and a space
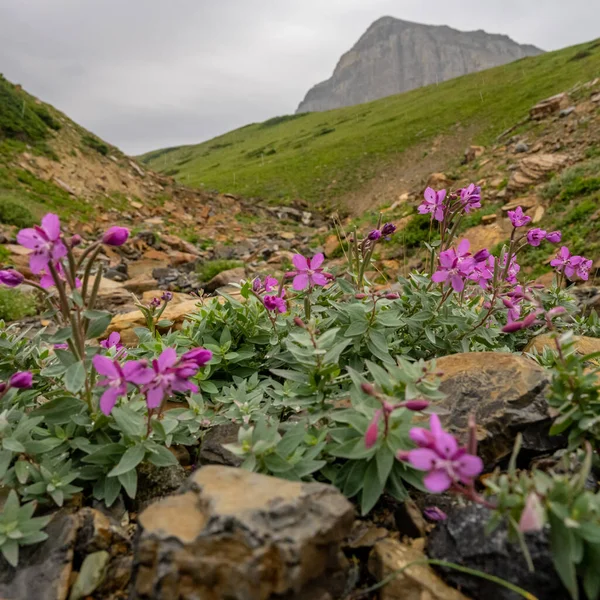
332, 243
157, 482
177, 258
212, 451
141, 283
462, 538
583, 344
178, 244
418, 582
473, 152
505, 393
438, 180
236, 535
587, 297
225, 278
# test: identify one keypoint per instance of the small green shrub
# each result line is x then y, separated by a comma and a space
12, 212
95, 144
417, 231
209, 269
580, 187
15, 304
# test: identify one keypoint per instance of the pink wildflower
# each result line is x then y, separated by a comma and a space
455, 266
307, 273
535, 236
45, 241
434, 204
11, 278
470, 197
517, 218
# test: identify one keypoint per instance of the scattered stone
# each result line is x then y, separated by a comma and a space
463, 539
534, 168
365, 534
212, 451
287, 235
473, 152
137, 168
99, 531
44, 570
549, 106
489, 219
583, 344
505, 393
332, 243
225, 278
565, 112
588, 297
157, 482
521, 147
177, 258
410, 520
418, 582
140, 284
237, 535
525, 203
485, 236
115, 275
595, 97
64, 186
538, 214
177, 243
438, 180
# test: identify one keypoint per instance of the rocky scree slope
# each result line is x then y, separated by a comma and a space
395, 56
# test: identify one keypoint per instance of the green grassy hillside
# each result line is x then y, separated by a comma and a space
318, 157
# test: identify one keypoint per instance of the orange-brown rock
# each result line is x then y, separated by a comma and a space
141, 283
533, 169
583, 344
236, 535
419, 582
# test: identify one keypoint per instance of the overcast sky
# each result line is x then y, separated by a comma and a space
145, 74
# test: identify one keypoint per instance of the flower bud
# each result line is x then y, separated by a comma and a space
154, 303
299, 322
433, 513
371, 435
115, 236
75, 240
481, 256
21, 380
369, 389
392, 296
533, 515
554, 237
200, 356
416, 405
388, 229
360, 296
256, 284
553, 312
11, 278
402, 455
374, 235
167, 297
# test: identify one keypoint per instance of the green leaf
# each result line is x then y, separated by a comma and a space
91, 574
372, 488
333, 355
22, 471
10, 511
10, 551
357, 329
394, 484
560, 544
62, 335
385, 461
128, 421
591, 576
75, 377
129, 482
5, 459
354, 449
112, 487
97, 326
355, 478
291, 375
161, 457
60, 410
209, 387
95, 314
12, 444
130, 460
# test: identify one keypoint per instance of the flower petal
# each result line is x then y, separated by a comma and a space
317, 261
109, 399
167, 358
430, 195
437, 481
300, 262
469, 466
38, 262
423, 459
137, 372
29, 238
51, 225
300, 282
105, 366
439, 276
463, 247
318, 279
154, 396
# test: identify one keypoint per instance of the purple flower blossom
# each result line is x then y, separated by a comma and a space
167, 297
584, 267
114, 341
273, 302
45, 241
513, 268
374, 235
517, 218
270, 283
200, 356
117, 378
154, 303
535, 236
256, 284
388, 229
170, 375
455, 266
308, 274
434, 204
115, 236
433, 513
440, 455
483, 272
481, 256
554, 237
11, 278
21, 380
470, 197
565, 263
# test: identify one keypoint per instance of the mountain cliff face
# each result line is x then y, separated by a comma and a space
395, 56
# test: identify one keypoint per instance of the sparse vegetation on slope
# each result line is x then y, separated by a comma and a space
322, 156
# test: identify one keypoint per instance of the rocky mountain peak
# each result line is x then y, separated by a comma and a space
395, 56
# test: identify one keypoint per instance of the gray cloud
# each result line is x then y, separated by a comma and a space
144, 74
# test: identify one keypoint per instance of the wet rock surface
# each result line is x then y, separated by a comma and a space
231, 534
212, 450
462, 539
505, 393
